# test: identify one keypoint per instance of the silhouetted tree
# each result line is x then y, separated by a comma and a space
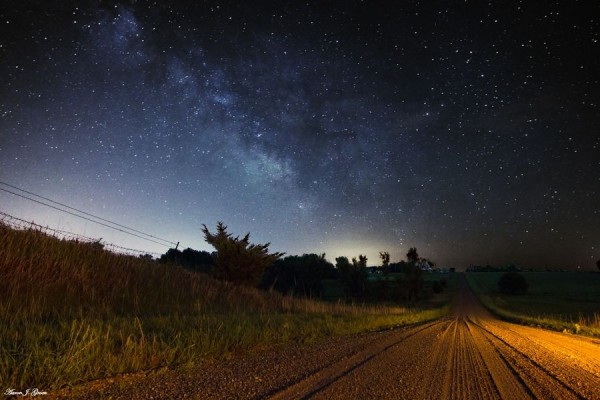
299, 274
353, 275
341, 262
237, 259
385, 262
513, 283
412, 256
361, 262
414, 275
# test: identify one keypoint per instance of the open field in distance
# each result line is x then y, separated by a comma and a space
564, 301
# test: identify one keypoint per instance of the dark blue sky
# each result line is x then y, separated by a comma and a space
468, 130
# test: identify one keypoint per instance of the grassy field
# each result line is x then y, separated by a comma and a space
556, 300
72, 312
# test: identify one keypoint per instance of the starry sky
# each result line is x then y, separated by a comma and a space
470, 130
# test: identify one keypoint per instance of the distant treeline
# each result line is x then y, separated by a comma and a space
311, 275
241, 262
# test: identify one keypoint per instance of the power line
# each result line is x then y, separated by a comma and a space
85, 213
88, 219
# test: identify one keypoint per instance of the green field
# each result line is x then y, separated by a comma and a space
557, 300
73, 312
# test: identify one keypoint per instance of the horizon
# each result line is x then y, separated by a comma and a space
19, 223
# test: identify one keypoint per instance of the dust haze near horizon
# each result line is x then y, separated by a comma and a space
470, 131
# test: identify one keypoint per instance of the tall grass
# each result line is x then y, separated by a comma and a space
71, 312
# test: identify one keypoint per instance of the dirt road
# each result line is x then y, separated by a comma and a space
470, 355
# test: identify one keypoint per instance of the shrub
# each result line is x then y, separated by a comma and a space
237, 259
512, 283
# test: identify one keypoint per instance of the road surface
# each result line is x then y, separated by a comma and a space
469, 355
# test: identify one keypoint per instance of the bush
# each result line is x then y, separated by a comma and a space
237, 259
512, 283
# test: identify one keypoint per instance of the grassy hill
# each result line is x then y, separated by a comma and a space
71, 312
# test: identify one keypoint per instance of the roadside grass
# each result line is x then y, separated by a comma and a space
561, 301
72, 312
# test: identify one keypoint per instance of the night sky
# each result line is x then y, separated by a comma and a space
468, 130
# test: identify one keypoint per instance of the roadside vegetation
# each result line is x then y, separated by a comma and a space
562, 301
72, 312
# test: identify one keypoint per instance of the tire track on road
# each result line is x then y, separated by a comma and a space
507, 381
320, 380
536, 376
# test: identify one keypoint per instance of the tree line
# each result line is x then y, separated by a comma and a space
237, 260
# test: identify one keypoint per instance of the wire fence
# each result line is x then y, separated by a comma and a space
21, 224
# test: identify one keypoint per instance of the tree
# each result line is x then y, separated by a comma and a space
353, 275
412, 256
237, 259
361, 262
385, 261
414, 274
512, 283
299, 275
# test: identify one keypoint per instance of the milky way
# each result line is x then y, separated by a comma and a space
468, 130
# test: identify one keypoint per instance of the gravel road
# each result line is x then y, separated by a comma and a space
469, 355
